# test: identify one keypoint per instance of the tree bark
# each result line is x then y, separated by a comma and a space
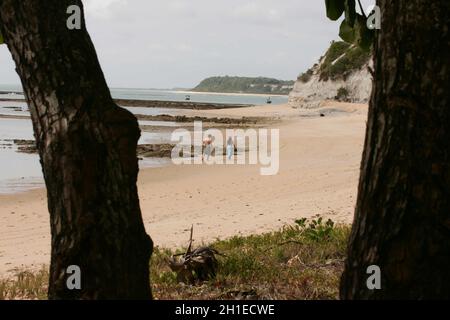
87, 147
402, 219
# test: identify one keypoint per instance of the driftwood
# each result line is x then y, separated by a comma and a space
195, 265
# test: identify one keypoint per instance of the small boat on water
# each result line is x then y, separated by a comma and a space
269, 101
187, 98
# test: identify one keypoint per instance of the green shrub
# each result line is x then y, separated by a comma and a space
341, 60
343, 94
316, 230
306, 76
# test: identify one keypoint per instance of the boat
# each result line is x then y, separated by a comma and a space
187, 98
269, 101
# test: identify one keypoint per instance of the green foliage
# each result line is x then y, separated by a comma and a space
336, 50
316, 230
350, 12
245, 85
335, 9
306, 76
342, 94
301, 261
1, 38
353, 28
346, 32
342, 59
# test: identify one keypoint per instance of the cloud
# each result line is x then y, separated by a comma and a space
176, 43
257, 12
103, 9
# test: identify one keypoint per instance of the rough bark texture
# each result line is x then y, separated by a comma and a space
87, 147
402, 221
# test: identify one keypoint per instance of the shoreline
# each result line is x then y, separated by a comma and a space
319, 171
182, 92
165, 104
232, 93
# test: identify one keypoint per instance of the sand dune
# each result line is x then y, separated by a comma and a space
319, 169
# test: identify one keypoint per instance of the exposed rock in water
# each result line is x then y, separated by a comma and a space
185, 119
26, 146
177, 104
155, 150
165, 151
146, 150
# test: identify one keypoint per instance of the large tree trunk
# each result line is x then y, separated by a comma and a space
87, 147
402, 221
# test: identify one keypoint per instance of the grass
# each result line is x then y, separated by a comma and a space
25, 285
302, 261
306, 76
351, 58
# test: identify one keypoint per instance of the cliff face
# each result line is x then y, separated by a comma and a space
342, 74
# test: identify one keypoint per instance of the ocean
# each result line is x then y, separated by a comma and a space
20, 172
173, 95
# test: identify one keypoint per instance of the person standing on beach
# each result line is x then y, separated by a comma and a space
207, 145
230, 148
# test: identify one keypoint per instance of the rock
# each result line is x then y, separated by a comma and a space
26, 146
312, 88
155, 150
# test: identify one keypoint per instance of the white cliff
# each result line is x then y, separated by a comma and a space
311, 89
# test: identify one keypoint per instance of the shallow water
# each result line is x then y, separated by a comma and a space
14, 108
158, 123
152, 111
170, 95
20, 172
16, 129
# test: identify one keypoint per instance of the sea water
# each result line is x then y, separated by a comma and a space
21, 172
170, 95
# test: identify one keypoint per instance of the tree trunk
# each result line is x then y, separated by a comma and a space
87, 146
402, 219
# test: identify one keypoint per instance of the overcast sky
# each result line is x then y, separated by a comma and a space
177, 43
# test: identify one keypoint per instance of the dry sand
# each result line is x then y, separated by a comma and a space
319, 169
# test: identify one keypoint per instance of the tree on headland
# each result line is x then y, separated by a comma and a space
402, 218
87, 147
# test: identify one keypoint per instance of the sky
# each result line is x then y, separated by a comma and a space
178, 43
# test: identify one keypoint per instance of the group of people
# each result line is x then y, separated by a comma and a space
208, 147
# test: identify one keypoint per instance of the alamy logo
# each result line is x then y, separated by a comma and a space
74, 20
374, 19
73, 281
237, 146
374, 281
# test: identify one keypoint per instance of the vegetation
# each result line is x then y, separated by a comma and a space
353, 27
306, 76
258, 85
342, 94
342, 59
302, 261
26, 286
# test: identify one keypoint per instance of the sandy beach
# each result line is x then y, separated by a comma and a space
319, 169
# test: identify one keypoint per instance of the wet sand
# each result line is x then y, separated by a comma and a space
319, 169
